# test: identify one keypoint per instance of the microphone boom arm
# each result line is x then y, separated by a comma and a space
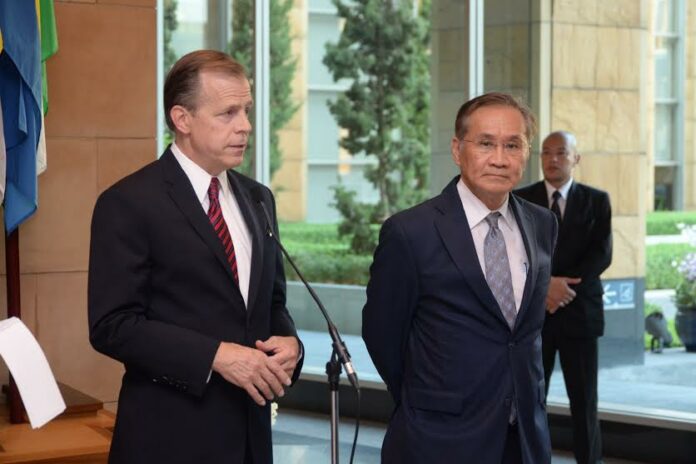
339, 346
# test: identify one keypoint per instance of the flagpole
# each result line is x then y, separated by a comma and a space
13, 310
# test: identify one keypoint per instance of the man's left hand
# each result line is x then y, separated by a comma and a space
285, 350
560, 293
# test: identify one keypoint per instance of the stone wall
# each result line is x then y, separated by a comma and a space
100, 126
690, 109
598, 92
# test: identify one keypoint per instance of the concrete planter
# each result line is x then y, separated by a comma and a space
344, 304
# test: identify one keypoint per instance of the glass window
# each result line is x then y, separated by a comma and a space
664, 16
323, 28
323, 136
508, 54
664, 136
191, 19
664, 78
668, 98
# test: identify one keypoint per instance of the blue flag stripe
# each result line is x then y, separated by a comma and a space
20, 93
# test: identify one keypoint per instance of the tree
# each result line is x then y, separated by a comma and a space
170, 25
283, 67
383, 52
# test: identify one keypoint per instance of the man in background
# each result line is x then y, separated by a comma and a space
574, 305
187, 289
455, 304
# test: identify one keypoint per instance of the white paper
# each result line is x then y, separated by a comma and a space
32, 374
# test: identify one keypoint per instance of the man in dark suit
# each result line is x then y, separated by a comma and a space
187, 290
575, 310
455, 304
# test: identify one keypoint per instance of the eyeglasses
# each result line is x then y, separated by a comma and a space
486, 146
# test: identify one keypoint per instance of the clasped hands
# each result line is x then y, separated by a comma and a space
560, 294
263, 371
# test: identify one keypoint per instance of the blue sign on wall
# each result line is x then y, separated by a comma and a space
619, 294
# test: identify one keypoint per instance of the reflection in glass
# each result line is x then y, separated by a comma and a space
664, 16
663, 133
663, 73
507, 47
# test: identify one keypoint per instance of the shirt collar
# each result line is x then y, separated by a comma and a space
563, 190
476, 210
199, 177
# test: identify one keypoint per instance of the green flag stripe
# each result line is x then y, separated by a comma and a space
49, 43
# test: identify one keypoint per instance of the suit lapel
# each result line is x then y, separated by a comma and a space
525, 223
183, 195
571, 203
455, 232
251, 217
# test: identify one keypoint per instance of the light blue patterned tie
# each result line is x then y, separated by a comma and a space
499, 278
498, 269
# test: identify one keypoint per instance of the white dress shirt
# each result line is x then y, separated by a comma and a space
476, 213
565, 188
241, 238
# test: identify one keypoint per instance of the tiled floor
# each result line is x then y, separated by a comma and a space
304, 438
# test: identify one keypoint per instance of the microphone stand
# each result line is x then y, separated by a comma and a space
339, 354
333, 371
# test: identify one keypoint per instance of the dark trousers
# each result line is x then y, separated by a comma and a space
579, 365
512, 454
248, 458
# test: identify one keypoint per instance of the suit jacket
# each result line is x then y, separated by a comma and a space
161, 299
583, 249
440, 342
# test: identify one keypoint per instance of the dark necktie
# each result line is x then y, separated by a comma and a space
218, 222
554, 205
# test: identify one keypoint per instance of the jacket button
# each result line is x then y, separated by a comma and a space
508, 401
511, 344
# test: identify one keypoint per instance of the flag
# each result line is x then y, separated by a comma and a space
20, 93
49, 42
49, 47
2, 146
3, 162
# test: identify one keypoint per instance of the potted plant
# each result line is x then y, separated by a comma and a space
685, 296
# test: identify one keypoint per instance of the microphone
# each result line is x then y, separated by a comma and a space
338, 344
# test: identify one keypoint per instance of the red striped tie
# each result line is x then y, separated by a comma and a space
218, 222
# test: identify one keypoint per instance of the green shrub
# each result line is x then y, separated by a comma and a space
322, 256
340, 268
659, 272
665, 222
650, 308
301, 232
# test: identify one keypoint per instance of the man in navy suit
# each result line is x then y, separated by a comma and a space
187, 290
455, 304
574, 304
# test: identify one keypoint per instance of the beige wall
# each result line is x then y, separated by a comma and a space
100, 126
290, 181
598, 92
690, 109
